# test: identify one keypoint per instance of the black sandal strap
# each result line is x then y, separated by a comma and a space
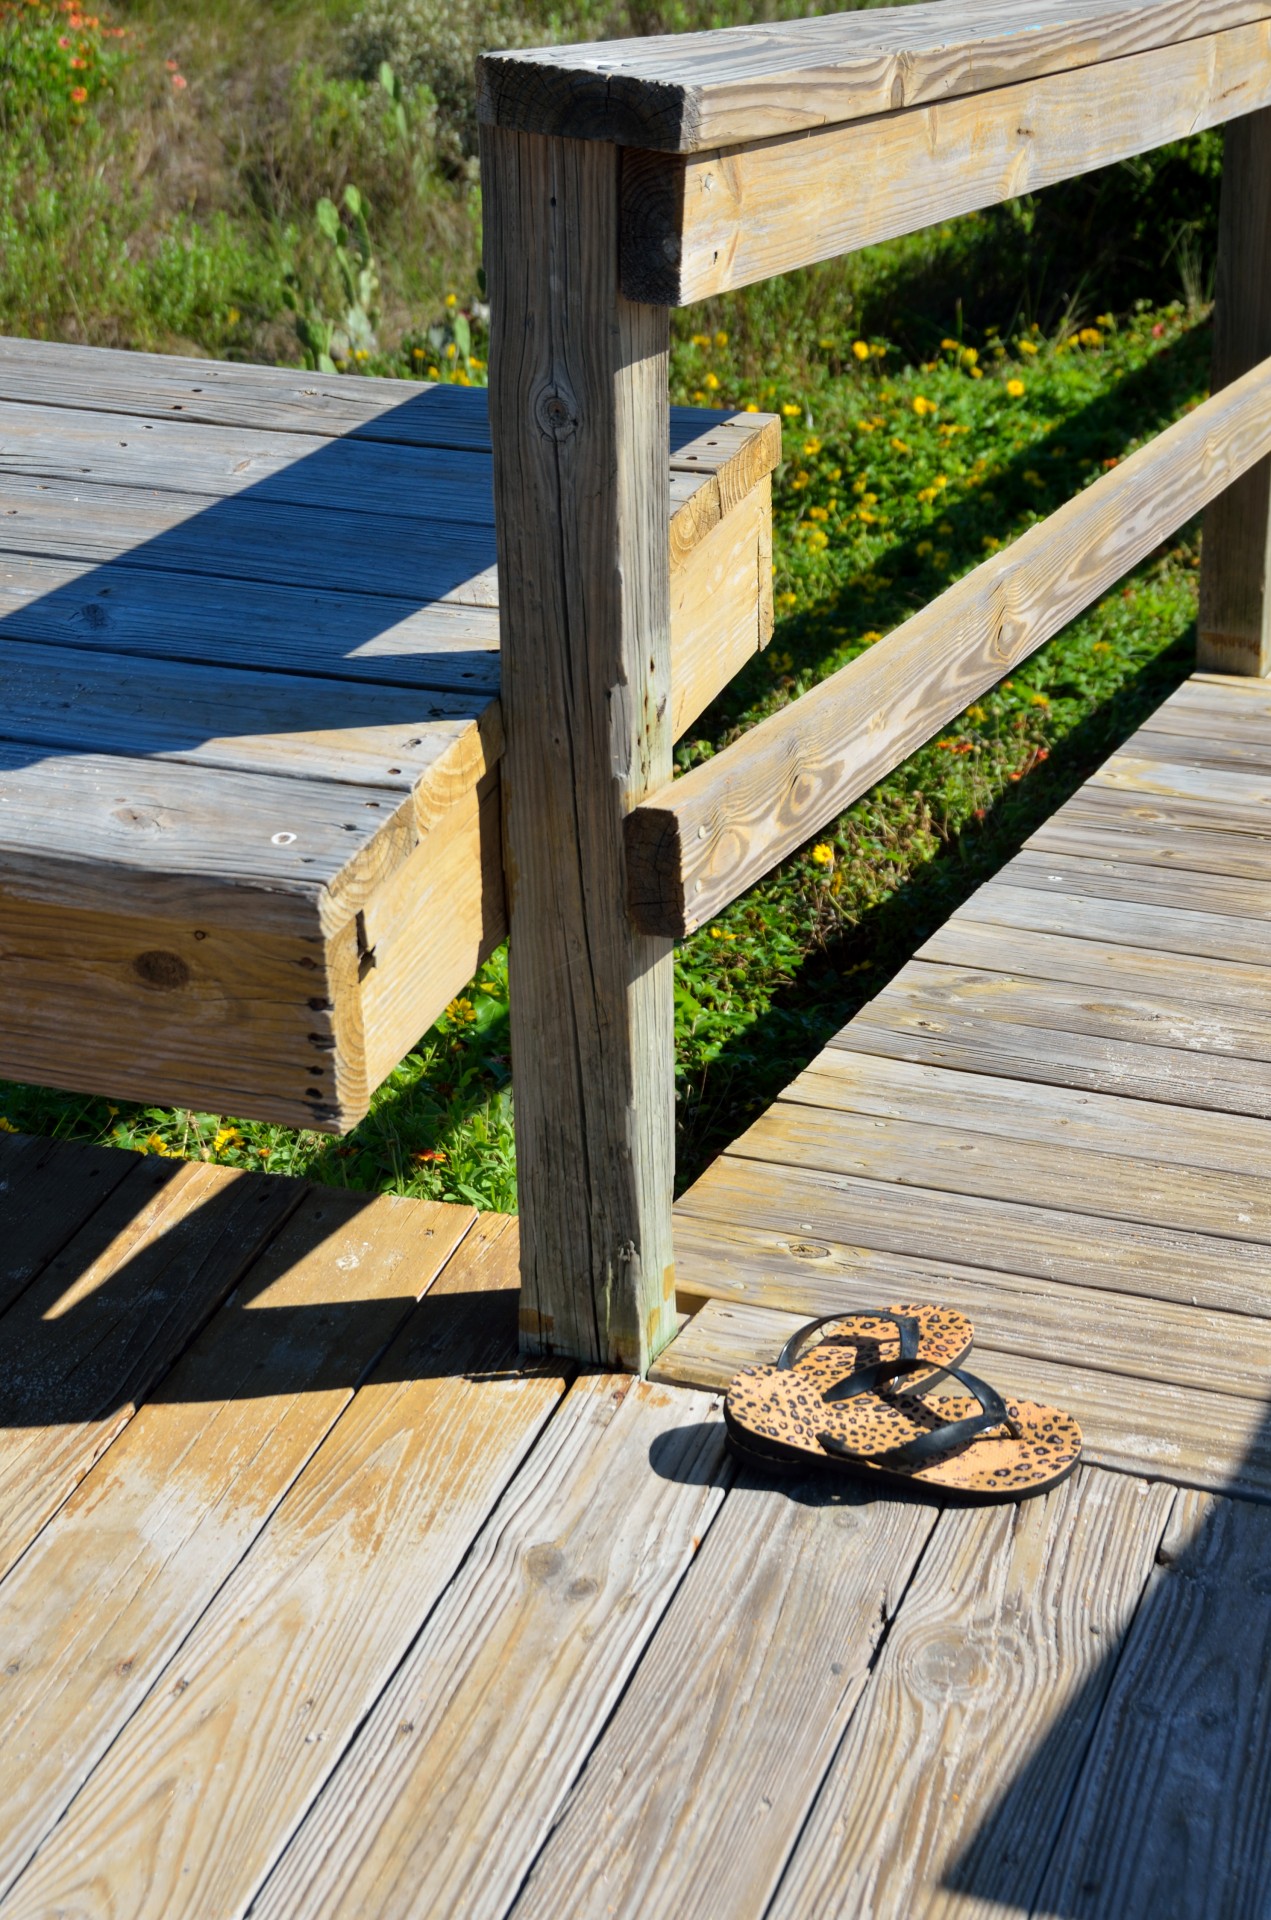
925, 1447
909, 1329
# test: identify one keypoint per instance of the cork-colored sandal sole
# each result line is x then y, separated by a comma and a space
778, 1417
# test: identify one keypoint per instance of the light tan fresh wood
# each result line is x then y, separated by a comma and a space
1062, 1242
427, 928
92, 1337
114, 1583
701, 841
1165, 1811
48, 1190
1234, 627
951, 1786
686, 91
721, 606
80, 987
579, 396
955, 1159
476, 1741
700, 225
759, 1666
253, 1715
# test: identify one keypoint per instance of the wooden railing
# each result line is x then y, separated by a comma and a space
621, 180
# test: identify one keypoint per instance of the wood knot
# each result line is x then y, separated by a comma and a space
161, 969
555, 415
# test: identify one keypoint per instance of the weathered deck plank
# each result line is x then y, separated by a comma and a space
92, 1613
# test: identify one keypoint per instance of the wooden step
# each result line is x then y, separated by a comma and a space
250, 838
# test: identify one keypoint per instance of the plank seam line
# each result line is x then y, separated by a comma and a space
498, 1496
991, 1072
1108, 1671
888, 1623
284, 672
265, 1521
730, 1479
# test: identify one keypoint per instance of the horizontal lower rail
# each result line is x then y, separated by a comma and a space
702, 224
698, 844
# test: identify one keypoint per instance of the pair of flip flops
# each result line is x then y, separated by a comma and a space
864, 1400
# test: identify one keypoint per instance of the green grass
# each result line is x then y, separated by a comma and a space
918, 439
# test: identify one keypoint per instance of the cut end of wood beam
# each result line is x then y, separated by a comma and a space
655, 873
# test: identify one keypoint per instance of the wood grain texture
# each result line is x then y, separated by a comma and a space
681, 92
114, 1583
1062, 1241
702, 840
92, 1337
48, 1190
949, 1158
863, 1083
703, 224
138, 1006
1169, 1807
813, 1577
751, 1288
251, 1718
996, 1672
476, 1740
579, 385
721, 607
1234, 627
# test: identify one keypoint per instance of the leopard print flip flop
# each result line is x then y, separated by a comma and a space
976, 1446
936, 1335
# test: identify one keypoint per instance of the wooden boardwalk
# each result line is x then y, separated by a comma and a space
313, 1601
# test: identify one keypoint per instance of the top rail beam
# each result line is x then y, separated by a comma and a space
703, 840
686, 93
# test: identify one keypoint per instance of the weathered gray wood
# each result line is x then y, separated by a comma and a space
429, 744
693, 1797
701, 841
455, 1780
108, 1316
863, 1083
955, 1159
100, 830
1156, 929
579, 379
1246, 794
155, 614
1103, 874
1063, 1242
165, 386
1169, 1812
111, 1587
950, 1788
703, 224
1114, 825
1235, 617
682, 92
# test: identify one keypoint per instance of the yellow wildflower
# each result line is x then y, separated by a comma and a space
790, 410
823, 854
923, 548
818, 538
970, 357
976, 713
452, 300
817, 513
225, 1137
868, 639
835, 473
750, 407
800, 480
232, 317
923, 406
950, 346
701, 339
977, 373
1015, 388
6, 1125
1028, 346
861, 350
154, 1144
811, 448
721, 338
711, 383
1090, 337
1038, 700
787, 600
991, 543
899, 445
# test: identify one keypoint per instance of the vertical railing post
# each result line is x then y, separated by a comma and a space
1235, 591
579, 416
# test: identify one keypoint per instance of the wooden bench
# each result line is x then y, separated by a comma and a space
623, 179
251, 737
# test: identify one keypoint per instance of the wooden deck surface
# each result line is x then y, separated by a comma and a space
313, 1602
